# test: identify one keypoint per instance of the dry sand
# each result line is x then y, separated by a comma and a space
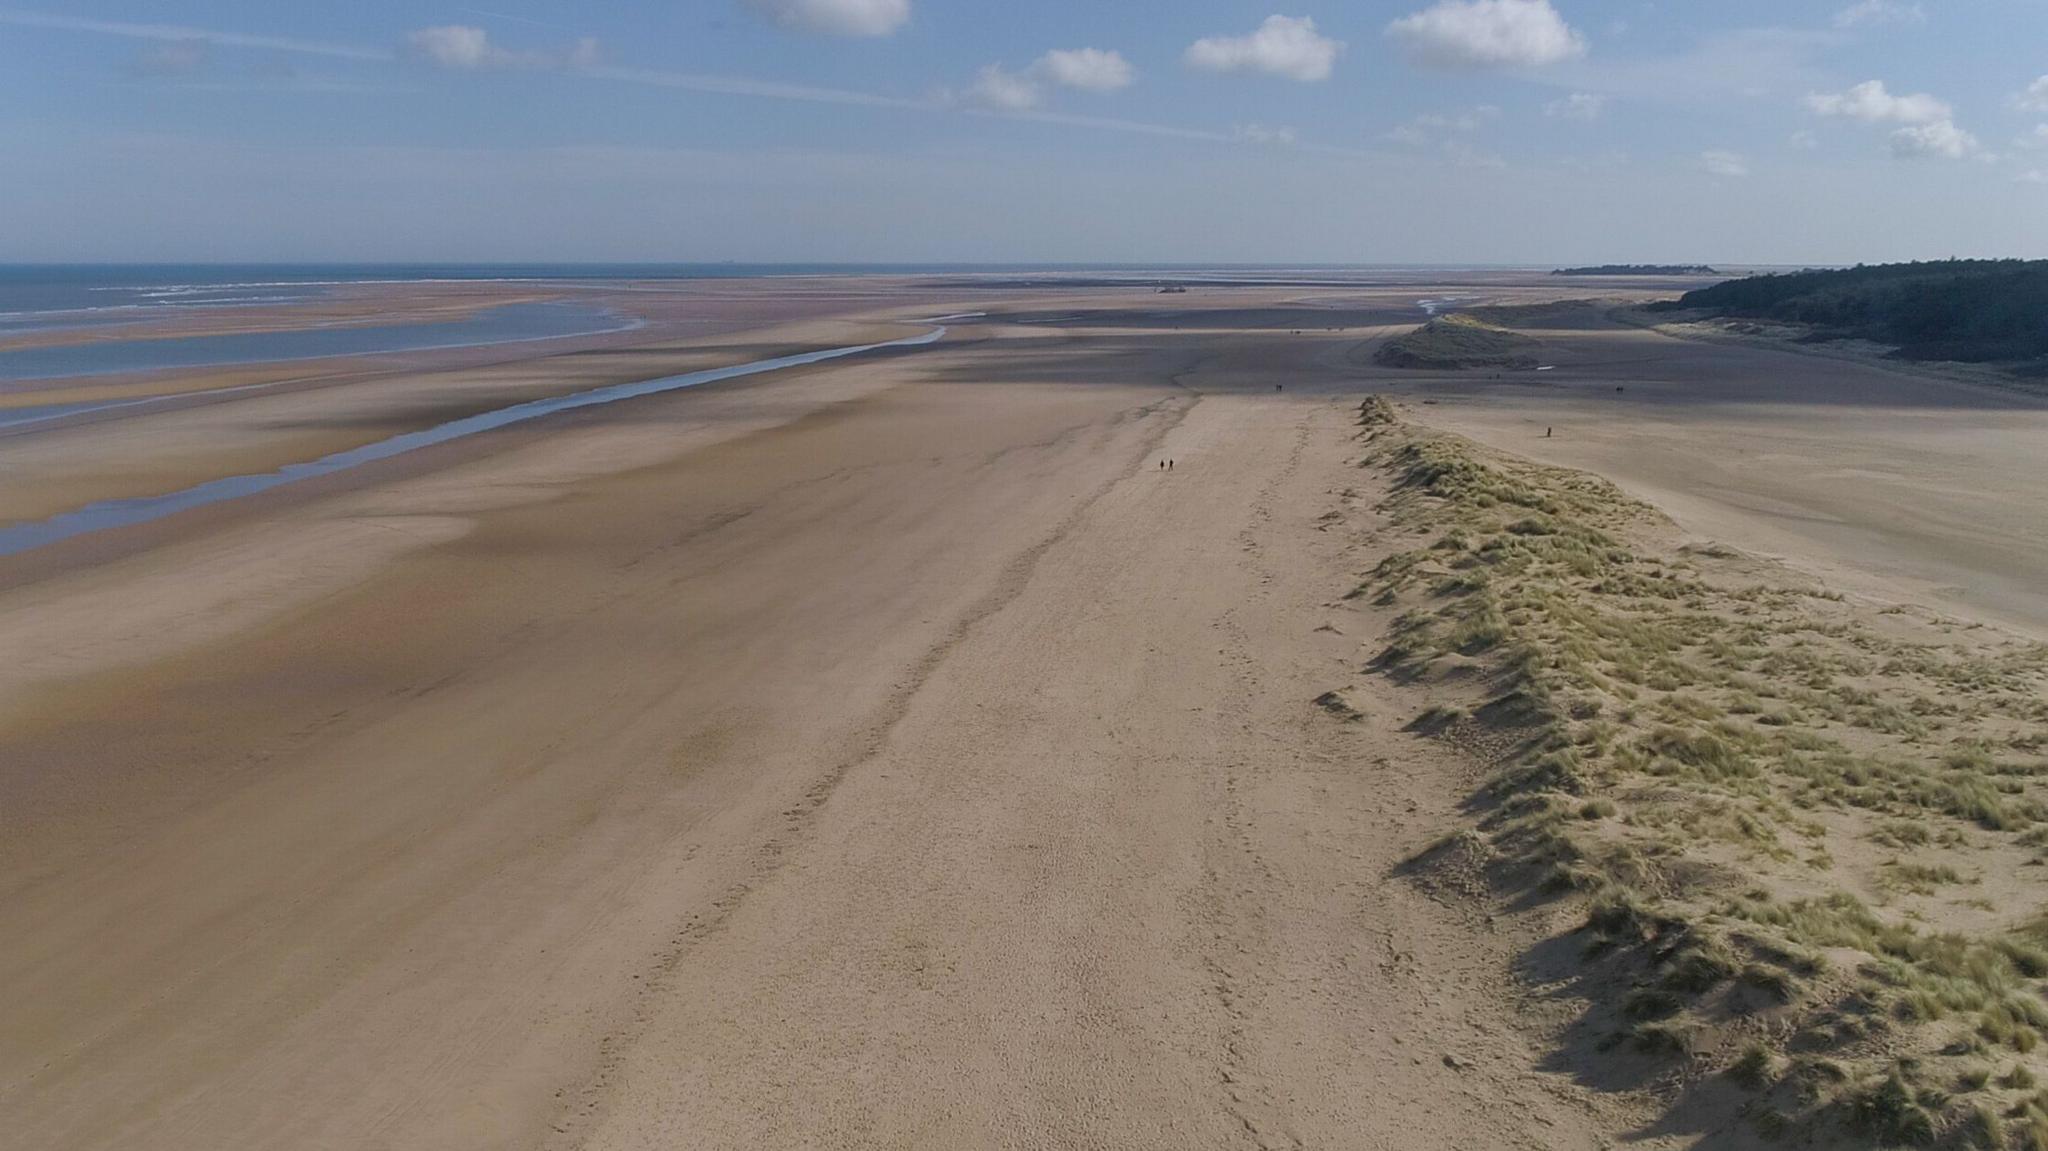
880, 754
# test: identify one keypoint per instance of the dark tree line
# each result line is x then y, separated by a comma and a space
1969, 310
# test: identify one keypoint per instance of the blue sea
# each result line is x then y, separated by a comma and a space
30, 291
107, 297
44, 291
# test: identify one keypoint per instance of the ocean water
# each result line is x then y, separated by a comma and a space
108, 297
28, 535
85, 293
45, 292
507, 323
48, 293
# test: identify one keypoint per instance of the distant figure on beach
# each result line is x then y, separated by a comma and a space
1162, 465
1169, 465
1546, 432
1277, 387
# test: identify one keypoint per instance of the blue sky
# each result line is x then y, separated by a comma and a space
1442, 131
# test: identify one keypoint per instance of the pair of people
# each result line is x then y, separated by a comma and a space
1165, 465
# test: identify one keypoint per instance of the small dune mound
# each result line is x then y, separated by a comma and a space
1336, 704
1452, 343
1455, 869
1375, 411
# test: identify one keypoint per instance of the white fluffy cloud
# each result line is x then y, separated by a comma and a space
1927, 125
1090, 69
1872, 104
1007, 91
1286, 46
1488, 34
1577, 106
2035, 98
1729, 165
1880, 12
1940, 138
838, 17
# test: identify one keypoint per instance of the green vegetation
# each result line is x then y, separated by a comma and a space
1758, 791
1974, 311
1458, 341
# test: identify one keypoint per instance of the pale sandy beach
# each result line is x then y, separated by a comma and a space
883, 753
907, 575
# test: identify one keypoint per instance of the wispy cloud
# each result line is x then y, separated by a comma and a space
1113, 124
174, 33
453, 46
1429, 125
1264, 134
2035, 97
172, 58
1447, 135
838, 17
464, 47
1725, 164
746, 86
1577, 106
1880, 12
1752, 63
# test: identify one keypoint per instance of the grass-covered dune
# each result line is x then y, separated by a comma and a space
1797, 841
1974, 311
1458, 341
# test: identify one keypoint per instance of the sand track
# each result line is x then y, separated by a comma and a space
1109, 879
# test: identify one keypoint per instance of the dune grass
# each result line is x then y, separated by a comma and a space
1458, 341
1763, 800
